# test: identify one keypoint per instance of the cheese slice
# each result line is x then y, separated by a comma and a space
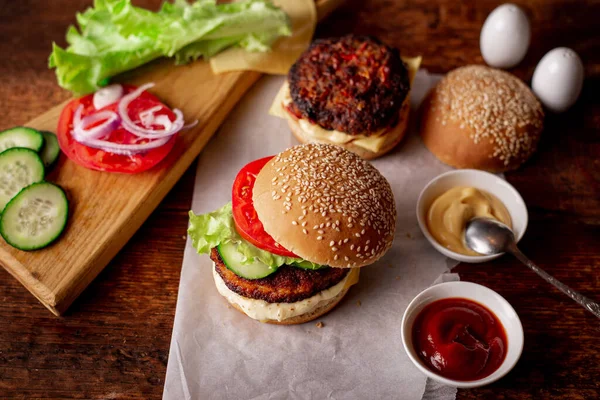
352, 278
285, 51
373, 142
412, 64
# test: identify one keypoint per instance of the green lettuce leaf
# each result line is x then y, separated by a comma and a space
217, 227
115, 36
210, 230
251, 253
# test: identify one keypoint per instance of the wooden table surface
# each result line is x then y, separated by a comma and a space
114, 341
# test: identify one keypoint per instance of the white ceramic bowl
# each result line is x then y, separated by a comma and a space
490, 183
482, 295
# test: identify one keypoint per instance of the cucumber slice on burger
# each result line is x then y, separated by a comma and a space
233, 260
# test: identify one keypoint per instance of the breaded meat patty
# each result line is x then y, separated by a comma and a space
354, 84
286, 285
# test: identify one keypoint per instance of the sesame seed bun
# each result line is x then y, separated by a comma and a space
321, 310
326, 205
483, 118
393, 136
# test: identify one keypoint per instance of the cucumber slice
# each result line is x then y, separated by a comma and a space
233, 261
308, 265
21, 136
19, 167
35, 217
51, 150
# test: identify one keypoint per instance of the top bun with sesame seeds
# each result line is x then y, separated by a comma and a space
326, 205
483, 118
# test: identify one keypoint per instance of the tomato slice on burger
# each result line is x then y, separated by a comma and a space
103, 160
246, 220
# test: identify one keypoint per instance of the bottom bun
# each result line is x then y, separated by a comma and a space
394, 136
288, 313
322, 309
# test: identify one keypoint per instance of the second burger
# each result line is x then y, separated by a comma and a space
300, 224
352, 91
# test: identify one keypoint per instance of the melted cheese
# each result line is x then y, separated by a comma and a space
264, 311
373, 142
285, 51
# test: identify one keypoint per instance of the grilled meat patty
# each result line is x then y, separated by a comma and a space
353, 84
286, 285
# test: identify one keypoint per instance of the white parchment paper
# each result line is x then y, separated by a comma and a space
218, 353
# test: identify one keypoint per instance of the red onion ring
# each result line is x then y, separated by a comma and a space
190, 125
80, 132
147, 116
91, 137
124, 149
143, 132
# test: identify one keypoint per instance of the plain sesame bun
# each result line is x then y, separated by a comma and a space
326, 205
483, 118
393, 136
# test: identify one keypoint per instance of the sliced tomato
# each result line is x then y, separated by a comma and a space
101, 160
246, 220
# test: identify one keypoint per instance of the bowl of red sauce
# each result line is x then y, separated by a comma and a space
462, 334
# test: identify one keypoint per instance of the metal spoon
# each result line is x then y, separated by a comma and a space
488, 236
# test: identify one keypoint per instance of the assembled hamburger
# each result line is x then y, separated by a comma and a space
288, 247
351, 91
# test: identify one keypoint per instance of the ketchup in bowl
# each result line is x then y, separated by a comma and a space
459, 339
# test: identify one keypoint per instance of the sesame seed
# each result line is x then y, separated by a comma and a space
338, 186
335, 257
493, 106
305, 231
294, 223
319, 237
334, 248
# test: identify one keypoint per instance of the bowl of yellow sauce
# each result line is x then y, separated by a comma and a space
452, 199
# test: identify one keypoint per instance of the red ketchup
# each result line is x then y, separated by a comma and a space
459, 339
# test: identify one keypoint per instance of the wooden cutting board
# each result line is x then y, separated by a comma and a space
107, 209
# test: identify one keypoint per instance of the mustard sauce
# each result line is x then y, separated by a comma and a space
448, 216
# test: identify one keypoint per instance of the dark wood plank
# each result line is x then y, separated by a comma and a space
114, 341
